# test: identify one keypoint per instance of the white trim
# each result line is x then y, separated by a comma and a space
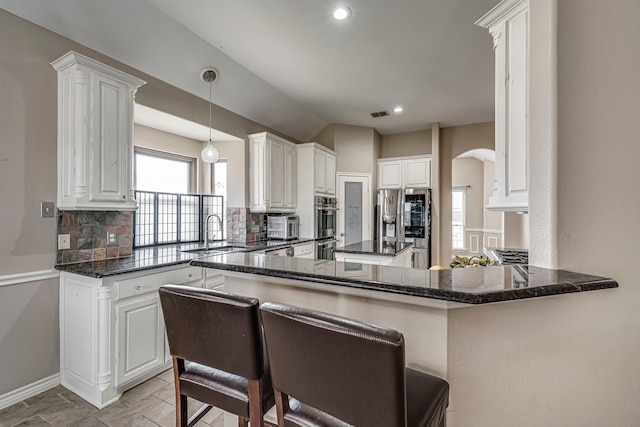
29, 390
31, 276
483, 230
418, 156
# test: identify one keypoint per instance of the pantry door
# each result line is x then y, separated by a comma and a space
355, 207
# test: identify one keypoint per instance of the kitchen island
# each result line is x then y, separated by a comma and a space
376, 252
479, 328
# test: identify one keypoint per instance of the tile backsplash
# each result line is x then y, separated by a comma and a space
243, 226
88, 235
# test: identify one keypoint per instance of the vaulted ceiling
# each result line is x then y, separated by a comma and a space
289, 65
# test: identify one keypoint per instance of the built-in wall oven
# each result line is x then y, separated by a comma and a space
325, 248
326, 210
326, 214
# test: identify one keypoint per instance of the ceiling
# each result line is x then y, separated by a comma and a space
289, 65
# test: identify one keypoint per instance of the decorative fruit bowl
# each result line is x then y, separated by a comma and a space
474, 261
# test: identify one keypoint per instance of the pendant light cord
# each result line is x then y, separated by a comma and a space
210, 111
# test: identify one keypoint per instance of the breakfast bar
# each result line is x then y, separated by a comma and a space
453, 321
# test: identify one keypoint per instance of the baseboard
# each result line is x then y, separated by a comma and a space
29, 390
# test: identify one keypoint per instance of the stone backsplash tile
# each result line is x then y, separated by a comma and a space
243, 226
88, 235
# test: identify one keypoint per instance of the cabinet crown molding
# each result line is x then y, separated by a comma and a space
502, 11
72, 58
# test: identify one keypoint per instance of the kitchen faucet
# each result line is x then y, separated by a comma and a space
206, 228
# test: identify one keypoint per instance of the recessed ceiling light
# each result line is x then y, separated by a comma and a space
397, 109
342, 13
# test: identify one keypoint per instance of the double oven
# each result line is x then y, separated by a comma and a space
326, 219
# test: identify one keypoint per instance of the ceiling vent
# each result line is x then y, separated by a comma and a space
380, 114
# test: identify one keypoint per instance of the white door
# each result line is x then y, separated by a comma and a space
355, 205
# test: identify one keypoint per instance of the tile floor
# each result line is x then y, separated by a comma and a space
151, 404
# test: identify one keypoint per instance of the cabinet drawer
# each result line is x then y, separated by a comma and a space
151, 282
302, 250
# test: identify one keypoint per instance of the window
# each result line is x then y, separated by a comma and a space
168, 211
164, 172
458, 198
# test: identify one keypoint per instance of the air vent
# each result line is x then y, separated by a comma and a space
380, 114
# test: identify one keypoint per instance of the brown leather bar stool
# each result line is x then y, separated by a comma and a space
333, 371
216, 342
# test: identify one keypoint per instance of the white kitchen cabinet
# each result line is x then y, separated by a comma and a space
112, 330
213, 279
405, 172
401, 260
324, 168
141, 339
272, 170
303, 250
95, 135
508, 23
316, 177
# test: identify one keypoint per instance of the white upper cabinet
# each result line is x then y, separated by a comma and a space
272, 170
508, 23
408, 172
95, 135
316, 177
324, 168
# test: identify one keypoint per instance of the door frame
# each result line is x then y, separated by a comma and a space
367, 195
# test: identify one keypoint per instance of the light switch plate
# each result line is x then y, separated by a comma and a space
64, 241
46, 209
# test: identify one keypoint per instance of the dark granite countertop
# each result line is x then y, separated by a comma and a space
372, 247
469, 285
162, 256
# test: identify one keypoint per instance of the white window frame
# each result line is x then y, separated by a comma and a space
191, 161
463, 225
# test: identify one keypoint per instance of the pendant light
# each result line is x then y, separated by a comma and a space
209, 153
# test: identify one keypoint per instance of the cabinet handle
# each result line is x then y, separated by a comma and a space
138, 287
189, 275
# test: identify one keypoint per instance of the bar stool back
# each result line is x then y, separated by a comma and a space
333, 371
216, 342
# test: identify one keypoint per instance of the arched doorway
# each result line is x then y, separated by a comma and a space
473, 227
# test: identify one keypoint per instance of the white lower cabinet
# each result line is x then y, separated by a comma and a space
112, 334
401, 260
303, 250
141, 338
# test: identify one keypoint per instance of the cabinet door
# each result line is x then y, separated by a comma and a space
516, 108
417, 173
109, 145
330, 172
140, 338
258, 175
276, 167
390, 174
320, 171
290, 177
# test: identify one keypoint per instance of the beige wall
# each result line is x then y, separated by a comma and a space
406, 144
358, 149
469, 172
492, 219
453, 142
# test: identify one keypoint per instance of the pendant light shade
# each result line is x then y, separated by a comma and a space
209, 153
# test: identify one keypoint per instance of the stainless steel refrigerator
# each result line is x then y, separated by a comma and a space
405, 216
